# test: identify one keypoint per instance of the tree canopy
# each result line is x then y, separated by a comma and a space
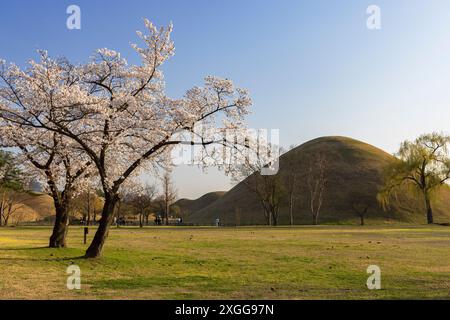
423, 163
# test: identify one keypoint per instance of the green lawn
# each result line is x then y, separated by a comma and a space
325, 262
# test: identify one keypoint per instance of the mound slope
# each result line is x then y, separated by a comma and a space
188, 206
353, 167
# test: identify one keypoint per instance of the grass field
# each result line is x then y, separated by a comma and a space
326, 262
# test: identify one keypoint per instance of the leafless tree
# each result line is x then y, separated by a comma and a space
316, 180
143, 200
361, 204
10, 202
169, 194
267, 188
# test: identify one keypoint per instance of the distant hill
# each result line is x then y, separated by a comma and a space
33, 206
188, 206
354, 167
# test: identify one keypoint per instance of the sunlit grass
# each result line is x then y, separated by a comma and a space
236, 263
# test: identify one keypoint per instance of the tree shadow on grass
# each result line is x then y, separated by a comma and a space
24, 249
45, 250
45, 259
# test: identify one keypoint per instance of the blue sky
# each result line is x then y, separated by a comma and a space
312, 67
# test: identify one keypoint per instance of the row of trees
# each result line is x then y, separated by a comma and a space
421, 165
144, 199
103, 123
140, 198
273, 191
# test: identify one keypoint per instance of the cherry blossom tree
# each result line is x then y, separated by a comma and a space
50, 159
118, 114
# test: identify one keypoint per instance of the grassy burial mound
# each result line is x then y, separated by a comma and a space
354, 170
188, 206
31, 207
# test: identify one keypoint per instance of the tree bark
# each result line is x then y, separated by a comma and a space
60, 229
291, 210
96, 246
428, 207
315, 219
167, 213
274, 218
88, 221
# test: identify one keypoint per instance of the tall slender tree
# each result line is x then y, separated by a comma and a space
316, 182
169, 194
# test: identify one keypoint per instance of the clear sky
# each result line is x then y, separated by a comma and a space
312, 67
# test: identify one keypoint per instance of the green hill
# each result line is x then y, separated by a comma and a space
188, 206
354, 167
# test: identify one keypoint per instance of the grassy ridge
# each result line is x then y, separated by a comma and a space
188, 206
236, 263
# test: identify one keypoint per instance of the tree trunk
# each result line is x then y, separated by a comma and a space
275, 218
167, 213
267, 214
315, 219
291, 210
60, 229
88, 222
428, 207
95, 249
362, 220
2, 210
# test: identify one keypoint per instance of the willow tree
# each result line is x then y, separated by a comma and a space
118, 114
423, 164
